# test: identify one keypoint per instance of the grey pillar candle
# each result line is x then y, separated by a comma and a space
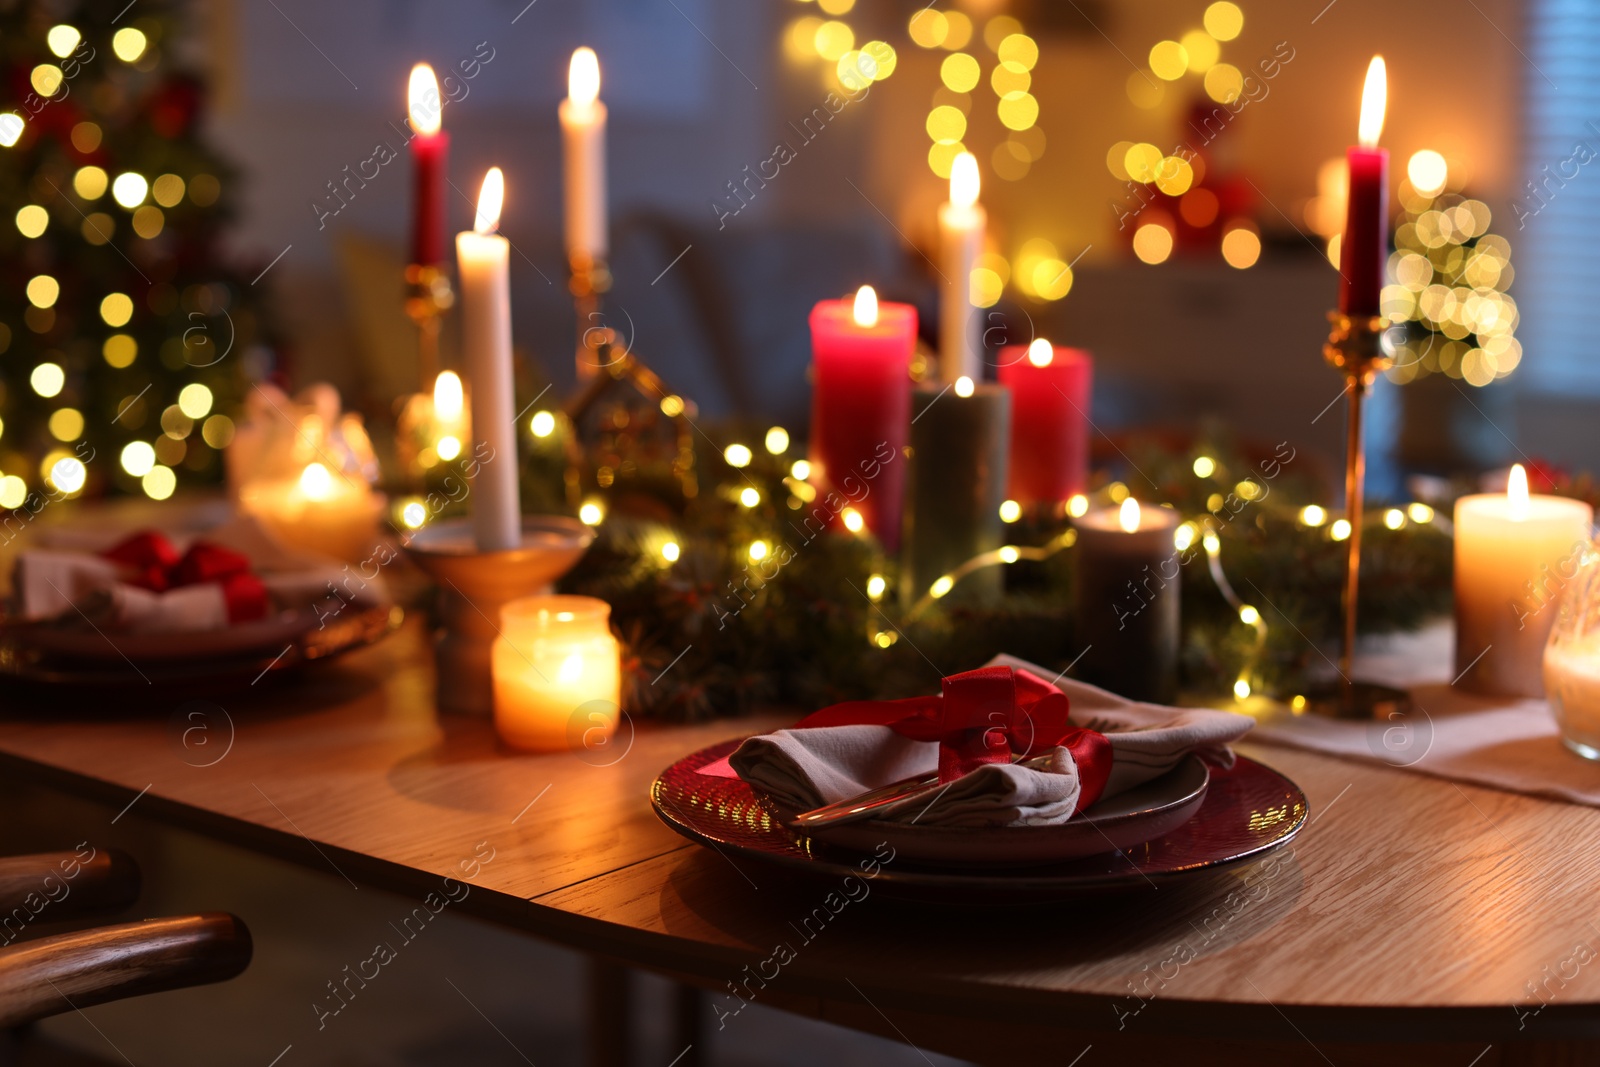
959, 441
1126, 601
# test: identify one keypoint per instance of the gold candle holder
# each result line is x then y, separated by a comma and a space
428, 297
1355, 349
589, 282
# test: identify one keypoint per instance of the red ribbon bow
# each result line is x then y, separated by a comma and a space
984, 716
156, 566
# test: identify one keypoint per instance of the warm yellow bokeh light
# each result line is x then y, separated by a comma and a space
159, 483
946, 125
737, 455
985, 287
43, 291
1116, 160
1168, 60
32, 220
1241, 247
777, 440
1152, 243
67, 473
1202, 48
138, 458
1223, 20
46, 79
129, 44
929, 28
116, 309
543, 424
120, 350
47, 379
1008, 78
1019, 49
942, 157
66, 424
1142, 161
1428, 172
1204, 466
148, 221
129, 189
167, 190
62, 40
1224, 83
11, 127
800, 41
749, 496
195, 400
90, 183
1174, 175
836, 7
960, 72
834, 39
1052, 279
1010, 511
1018, 111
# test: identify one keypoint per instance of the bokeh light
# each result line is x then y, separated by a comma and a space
1152, 243
1224, 20
1241, 246
1168, 60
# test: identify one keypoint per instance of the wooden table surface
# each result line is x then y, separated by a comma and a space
1409, 907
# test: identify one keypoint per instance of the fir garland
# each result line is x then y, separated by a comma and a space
722, 628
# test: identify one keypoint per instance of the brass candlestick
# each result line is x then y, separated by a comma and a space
614, 438
1355, 349
589, 283
428, 297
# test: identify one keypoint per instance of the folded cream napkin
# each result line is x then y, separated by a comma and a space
806, 768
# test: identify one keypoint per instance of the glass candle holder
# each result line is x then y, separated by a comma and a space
1572, 658
557, 674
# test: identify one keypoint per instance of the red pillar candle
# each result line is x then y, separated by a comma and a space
861, 409
1365, 248
430, 148
1050, 389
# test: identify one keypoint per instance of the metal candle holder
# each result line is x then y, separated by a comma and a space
1355, 349
428, 297
602, 363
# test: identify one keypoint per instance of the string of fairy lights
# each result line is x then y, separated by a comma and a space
143, 203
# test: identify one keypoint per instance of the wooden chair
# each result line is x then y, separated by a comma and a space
42, 976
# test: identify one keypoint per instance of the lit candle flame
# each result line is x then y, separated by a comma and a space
583, 78
866, 310
964, 180
447, 396
964, 386
1041, 352
1129, 515
490, 199
422, 100
1517, 492
315, 482
1374, 100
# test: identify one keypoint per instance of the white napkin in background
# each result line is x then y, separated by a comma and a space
56, 582
804, 769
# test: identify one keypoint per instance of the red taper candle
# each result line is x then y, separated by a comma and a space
1365, 248
430, 150
1049, 420
861, 410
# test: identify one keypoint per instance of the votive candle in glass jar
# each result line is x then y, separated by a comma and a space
557, 674
1572, 660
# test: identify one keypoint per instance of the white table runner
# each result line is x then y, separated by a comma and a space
1502, 743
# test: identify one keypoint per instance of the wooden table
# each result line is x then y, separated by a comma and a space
1408, 910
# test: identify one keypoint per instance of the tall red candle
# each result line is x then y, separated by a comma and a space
861, 409
430, 149
1050, 389
1365, 248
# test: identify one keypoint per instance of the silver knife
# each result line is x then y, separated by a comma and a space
887, 798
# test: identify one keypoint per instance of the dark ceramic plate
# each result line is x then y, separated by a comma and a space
1249, 810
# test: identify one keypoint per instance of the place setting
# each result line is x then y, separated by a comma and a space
536, 478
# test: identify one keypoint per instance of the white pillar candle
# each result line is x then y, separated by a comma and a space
583, 134
1510, 547
484, 260
961, 226
557, 674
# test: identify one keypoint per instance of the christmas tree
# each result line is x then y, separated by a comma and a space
121, 329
